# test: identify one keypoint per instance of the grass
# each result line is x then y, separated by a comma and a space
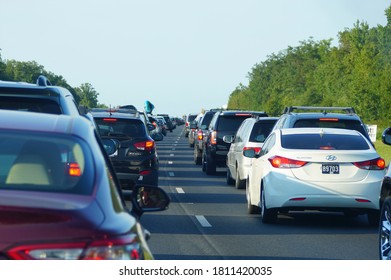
383, 150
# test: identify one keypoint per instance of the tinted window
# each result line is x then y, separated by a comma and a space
191, 118
206, 120
39, 105
324, 142
120, 127
261, 131
332, 123
43, 162
230, 122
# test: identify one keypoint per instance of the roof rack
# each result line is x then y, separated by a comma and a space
43, 81
347, 110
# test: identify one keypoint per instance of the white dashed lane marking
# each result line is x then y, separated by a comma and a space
180, 190
203, 221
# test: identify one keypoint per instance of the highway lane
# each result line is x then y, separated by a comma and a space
208, 219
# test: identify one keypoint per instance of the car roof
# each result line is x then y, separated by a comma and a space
238, 112
115, 113
32, 121
313, 112
49, 89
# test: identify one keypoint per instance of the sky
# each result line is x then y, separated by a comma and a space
181, 55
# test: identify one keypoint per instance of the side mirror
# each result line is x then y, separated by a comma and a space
111, 146
228, 138
386, 136
157, 136
147, 198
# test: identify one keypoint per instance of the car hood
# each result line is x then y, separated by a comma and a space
40, 217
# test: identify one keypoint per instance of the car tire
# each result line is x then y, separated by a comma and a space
229, 179
203, 162
239, 184
374, 218
251, 209
210, 166
268, 216
197, 156
385, 230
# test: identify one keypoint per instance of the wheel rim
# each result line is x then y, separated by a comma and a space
385, 232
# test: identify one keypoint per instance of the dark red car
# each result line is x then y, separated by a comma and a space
59, 195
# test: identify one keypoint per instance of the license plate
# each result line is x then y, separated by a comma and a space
330, 169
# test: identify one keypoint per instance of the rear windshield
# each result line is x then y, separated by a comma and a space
38, 105
261, 131
231, 122
46, 163
120, 127
332, 123
206, 119
191, 118
324, 142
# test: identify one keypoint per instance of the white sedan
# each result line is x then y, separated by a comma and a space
315, 168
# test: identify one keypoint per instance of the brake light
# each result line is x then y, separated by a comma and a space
213, 137
109, 120
242, 114
329, 119
257, 150
145, 145
282, 162
200, 135
122, 248
374, 164
74, 169
145, 172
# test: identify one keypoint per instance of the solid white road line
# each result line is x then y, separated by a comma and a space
203, 221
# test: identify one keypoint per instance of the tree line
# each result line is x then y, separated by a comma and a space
12, 70
355, 73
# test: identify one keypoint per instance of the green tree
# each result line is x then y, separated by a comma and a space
88, 95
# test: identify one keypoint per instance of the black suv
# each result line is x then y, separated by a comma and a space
41, 97
135, 159
335, 117
201, 128
215, 150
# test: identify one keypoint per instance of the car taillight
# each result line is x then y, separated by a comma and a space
145, 145
200, 135
213, 137
109, 120
282, 162
74, 169
374, 164
328, 119
121, 248
257, 150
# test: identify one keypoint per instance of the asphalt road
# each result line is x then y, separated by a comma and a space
207, 219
